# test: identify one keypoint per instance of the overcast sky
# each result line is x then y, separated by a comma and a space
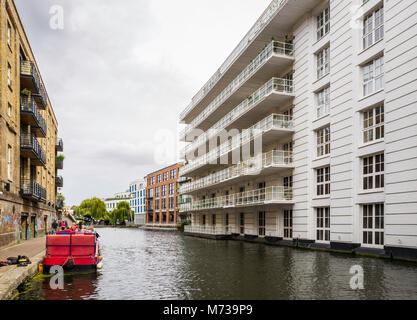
119, 74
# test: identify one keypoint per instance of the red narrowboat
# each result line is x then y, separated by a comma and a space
73, 250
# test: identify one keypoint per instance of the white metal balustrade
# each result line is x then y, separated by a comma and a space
274, 85
274, 48
208, 230
272, 122
252, 166
263, 196
244, 43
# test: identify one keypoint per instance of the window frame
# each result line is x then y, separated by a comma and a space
323, 62
373, 76
323, 141
323, 102
373, 172
323, 226
373, 122
373, 28
373, 225
323, 23
323, 182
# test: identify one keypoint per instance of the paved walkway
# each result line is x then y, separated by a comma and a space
12, 276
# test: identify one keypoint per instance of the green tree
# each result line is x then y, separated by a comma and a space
94, 208
121, 214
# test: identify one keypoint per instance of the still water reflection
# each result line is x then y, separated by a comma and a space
156, 265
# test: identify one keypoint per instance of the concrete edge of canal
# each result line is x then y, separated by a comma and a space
14, 277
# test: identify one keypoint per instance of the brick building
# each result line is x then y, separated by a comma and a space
29, 143
162, 196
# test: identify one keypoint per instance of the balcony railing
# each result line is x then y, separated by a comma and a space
31, 190
28, 70
252, 166
276, 85
59, 163
273, 48
29, 106
59, 145
29, 144
208, 230
59, 182
264, 196
245, 42
272, 122
41, 97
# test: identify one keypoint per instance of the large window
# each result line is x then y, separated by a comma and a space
173, 174
9, 75
171, 189
323, 141
323, 102
373, 76
373, 28
323, 181
261, 224
323, 23
323, 224
288, 221
373, 224
373, 124
373, 172
323, 63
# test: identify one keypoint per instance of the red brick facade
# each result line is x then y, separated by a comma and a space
162, 196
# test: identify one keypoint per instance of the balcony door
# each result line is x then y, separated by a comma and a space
242, 223
261, 223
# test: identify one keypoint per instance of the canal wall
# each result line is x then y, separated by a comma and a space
14, 276
311, 245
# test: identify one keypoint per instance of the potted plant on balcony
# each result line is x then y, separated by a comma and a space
60, 158
26, 92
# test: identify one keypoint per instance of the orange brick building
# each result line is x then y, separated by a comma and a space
162, 196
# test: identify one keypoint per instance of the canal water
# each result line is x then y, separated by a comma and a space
144, 265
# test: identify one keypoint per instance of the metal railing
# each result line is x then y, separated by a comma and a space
272, 122
274, 85
28, 105
263, 21
208, 230
253, 197
29, 142
59, 181
60, 145
59, 163
272, 49
31, 189
249, 167
28, 69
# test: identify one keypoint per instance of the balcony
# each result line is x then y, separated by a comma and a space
59, 147
279, 17
30, 148
272, 128
270, 196
265, 164
31, 190
208, 230
30, 114
59, 204
59, 182
276, 56
29, 77
41, 98
271, 94
59, 163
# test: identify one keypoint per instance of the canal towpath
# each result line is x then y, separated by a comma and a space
12, 276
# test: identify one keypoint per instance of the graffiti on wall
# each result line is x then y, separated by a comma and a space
9, 222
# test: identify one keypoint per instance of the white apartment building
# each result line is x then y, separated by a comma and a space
330, 86
138, 200
111, 203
